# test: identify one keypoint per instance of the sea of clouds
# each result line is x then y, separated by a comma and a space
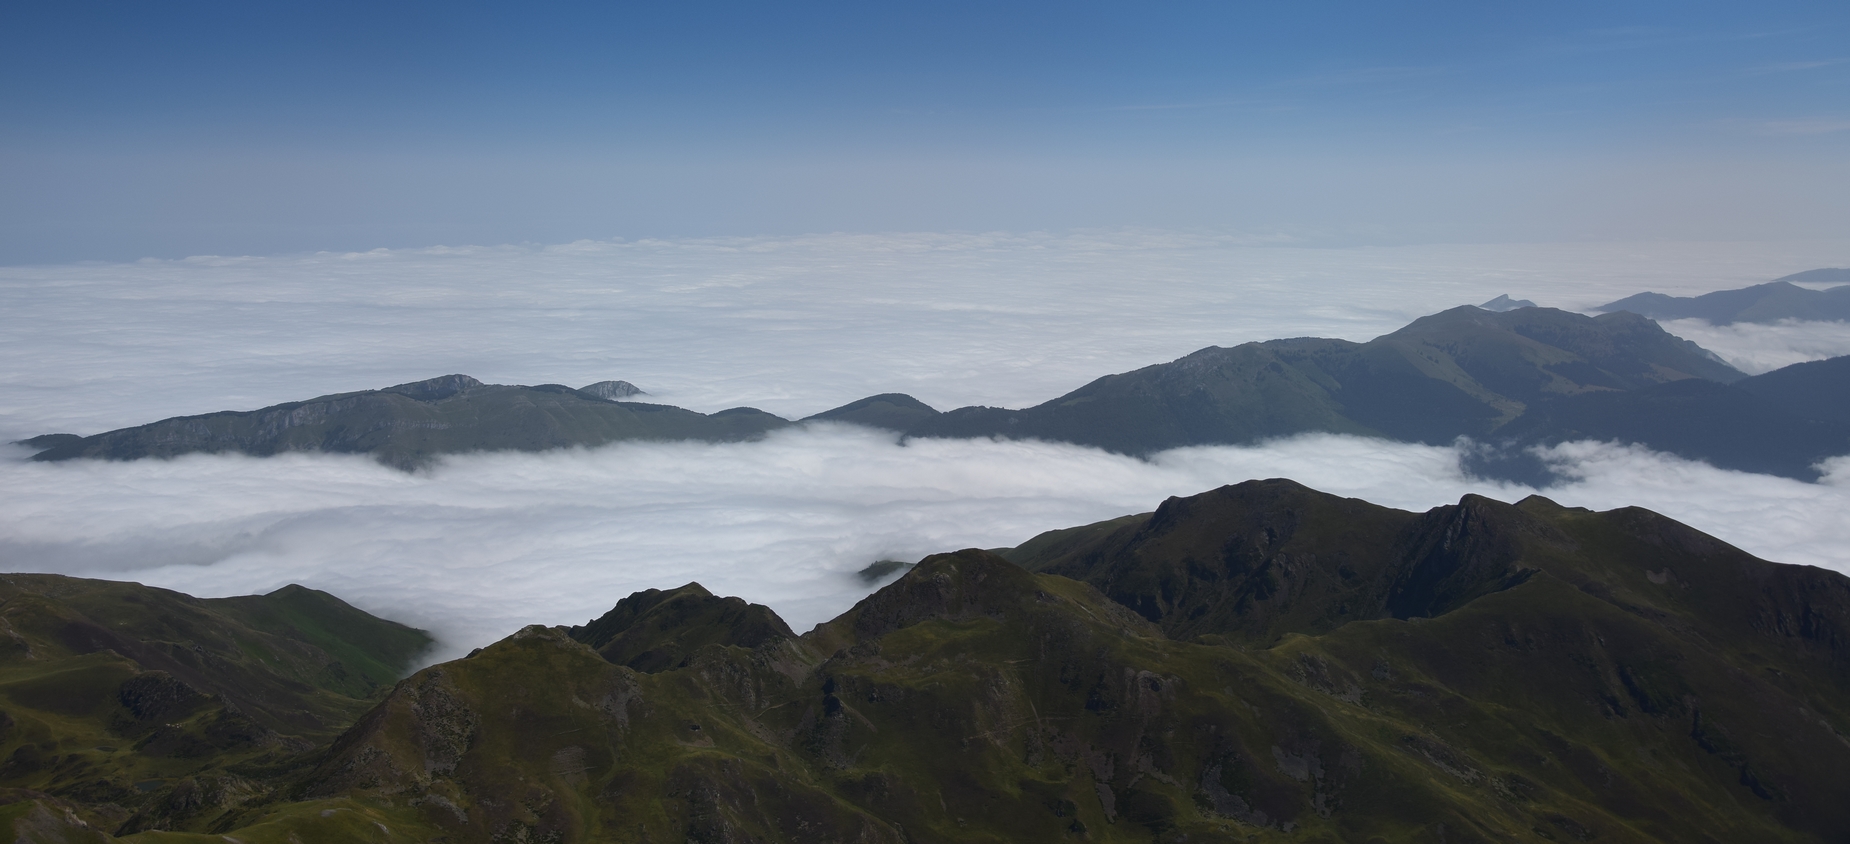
483, 544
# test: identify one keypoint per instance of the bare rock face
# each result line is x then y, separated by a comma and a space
612, 390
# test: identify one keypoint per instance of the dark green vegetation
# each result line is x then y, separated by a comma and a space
1260, 662
408, 425
140, 708
1770, 302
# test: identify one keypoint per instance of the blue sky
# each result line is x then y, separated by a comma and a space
137, 129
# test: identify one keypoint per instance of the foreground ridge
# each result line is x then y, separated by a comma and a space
1258, 660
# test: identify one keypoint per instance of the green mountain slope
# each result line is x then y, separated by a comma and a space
147, 707
409, 424
1623, 631
975, 701
1278, 664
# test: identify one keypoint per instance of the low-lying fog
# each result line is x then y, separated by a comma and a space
489, 542
485, 543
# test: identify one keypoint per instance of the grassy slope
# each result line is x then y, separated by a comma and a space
141, 705
975, 701
1638, 682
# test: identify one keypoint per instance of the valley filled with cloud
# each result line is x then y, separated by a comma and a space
481, 544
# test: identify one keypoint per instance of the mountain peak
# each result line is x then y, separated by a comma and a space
658, 630
434, 389
612, 390
1503, 302
891, 411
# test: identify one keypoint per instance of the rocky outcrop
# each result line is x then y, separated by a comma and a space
612, 390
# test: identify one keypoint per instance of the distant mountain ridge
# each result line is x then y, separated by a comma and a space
1782, 422
1776, 300
1506, 380
1461, 372
408, 425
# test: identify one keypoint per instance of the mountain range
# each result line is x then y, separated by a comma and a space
1780, 299
1258, 662
409, 424
1506, 380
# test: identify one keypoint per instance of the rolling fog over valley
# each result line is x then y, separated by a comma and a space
478, 545
793, 326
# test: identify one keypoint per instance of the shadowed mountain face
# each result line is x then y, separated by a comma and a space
153, 709
654, 631
408, 425
1260, 560
892, 411
1770, 302
1510, 380
1464, 372
1781, 423
1277, 663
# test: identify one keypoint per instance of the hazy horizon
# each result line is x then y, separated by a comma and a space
231, 129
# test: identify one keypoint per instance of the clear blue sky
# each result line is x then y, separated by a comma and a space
163, 129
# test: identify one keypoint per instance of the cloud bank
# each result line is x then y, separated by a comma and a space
1754, 348
790, 325
485, 543
489, 542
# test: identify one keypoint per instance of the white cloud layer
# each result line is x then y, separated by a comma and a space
1755, 349
486, 543
791, 325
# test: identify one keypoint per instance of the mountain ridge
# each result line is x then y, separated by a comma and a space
1482, 671
1771, 302
409, 425
1507, 381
